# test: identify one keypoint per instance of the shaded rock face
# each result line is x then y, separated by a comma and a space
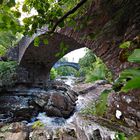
23, 103
17, 107
128, 105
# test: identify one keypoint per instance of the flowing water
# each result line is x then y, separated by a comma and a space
55, 122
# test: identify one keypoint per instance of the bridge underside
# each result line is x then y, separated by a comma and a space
107, 34
38, 61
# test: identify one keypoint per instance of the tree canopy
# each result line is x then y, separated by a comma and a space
49, 13
27, 16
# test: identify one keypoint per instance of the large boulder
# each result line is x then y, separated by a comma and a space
22, 103
58, 101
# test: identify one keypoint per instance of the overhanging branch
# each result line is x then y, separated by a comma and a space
67, 14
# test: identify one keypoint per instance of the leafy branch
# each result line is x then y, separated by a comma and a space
67, 14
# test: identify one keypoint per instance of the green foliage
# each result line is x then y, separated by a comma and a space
98, 108
67, 71
130, 73
9, 17
7, 73
63, 49
135, 56
45, 41
86, 62
89, 110
7, 40
125, 45
37, 124
2, 50
40, 13
129, 79
131, 84
93, 68
36, 41
53, 74
97, 71
120, 136
48, 13
88, 59
135, 137
101, 105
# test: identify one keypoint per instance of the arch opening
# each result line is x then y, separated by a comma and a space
91, 67
38, 61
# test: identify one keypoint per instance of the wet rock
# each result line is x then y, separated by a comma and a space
23, 103
18, 106
13, 136
14, 131
128, 103
138, 114
53, 111
14, 127
88, 129
41, 134
68, 134
60, 104
130, 122
96, 135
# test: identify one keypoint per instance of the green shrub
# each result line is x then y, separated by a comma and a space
8, 73
120, 136
98, 108
130, 78
2, 50
37, 124
53, 74
98, 71
93, 68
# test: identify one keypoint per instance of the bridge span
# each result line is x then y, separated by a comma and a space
71, 64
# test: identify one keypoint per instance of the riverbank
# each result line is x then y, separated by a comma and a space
79, 126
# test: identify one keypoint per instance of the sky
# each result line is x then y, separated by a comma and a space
74, 56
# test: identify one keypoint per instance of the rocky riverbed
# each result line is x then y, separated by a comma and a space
54, 113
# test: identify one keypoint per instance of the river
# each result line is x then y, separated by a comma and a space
55, 123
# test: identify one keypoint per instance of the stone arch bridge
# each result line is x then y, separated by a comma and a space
70, 64
38, 61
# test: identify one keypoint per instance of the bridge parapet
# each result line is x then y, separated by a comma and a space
71, 64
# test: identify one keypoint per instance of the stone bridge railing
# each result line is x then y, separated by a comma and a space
71, 64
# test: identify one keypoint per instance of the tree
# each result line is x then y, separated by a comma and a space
9, 15
49, 13
93, 68
52, 14
88, 59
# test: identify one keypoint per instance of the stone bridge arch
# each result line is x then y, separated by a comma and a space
38, 61
70, 64
107, 37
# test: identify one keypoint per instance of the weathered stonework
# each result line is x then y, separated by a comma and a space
106, 26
